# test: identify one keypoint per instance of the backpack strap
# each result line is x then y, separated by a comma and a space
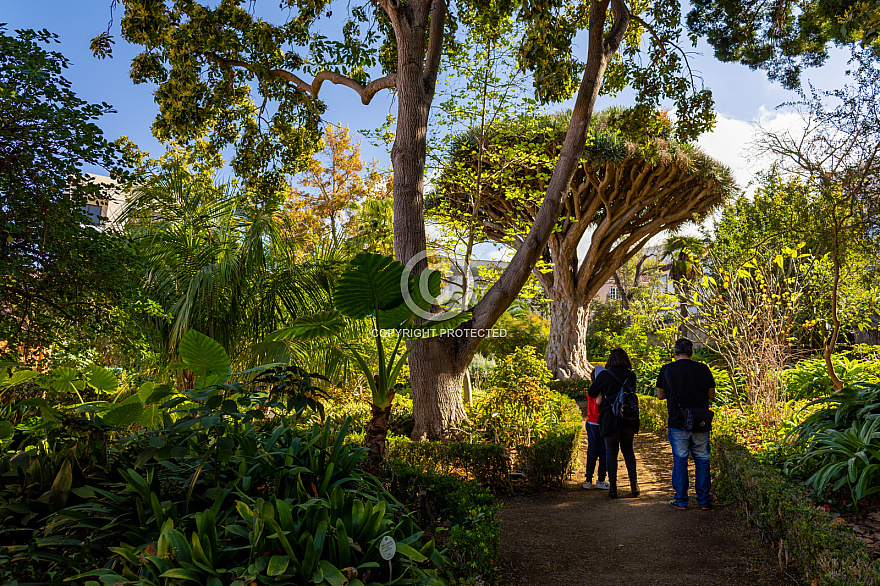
680, 406
608, 370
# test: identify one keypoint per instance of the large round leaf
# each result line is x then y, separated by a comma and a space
203, 356
102, 379
124, 414
417, 304
7, 430
369, 284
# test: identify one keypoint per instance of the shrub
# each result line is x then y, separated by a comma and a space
552, 458
573, 388
511, 412
829, 554
653, 413
527, 329
839, 444
459, 514
809, 379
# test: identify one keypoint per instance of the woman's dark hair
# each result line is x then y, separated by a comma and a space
619, 357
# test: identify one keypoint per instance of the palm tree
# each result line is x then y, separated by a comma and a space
218, 265
684, 254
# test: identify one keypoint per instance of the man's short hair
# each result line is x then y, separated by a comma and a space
683, 347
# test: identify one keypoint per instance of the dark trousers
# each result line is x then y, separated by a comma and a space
595, 451
621, 439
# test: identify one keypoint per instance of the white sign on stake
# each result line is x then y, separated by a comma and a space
387, 547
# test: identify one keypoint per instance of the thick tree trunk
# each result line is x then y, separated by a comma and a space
437, 373
566, 349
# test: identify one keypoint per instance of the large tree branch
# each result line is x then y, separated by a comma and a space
501, 295
435, 44
366, 93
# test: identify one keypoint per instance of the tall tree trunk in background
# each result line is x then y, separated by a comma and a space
566, 348
436, 372
836, 383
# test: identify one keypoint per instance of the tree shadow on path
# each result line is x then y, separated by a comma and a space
571, 536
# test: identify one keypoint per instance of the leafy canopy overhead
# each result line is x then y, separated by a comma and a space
784, 37
208, 60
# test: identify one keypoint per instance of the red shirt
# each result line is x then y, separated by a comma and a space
592, 411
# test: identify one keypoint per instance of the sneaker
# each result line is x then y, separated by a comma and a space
603, 485
675, 505
635, 491
708, 507
587, 485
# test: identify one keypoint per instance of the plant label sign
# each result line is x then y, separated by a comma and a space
387, 547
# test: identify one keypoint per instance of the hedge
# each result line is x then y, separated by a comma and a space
831, 554
550, 460
575, 388
461, 514
486, 464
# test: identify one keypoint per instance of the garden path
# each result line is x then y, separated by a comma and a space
571, 536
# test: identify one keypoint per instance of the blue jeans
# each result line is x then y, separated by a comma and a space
684, 443
595, 451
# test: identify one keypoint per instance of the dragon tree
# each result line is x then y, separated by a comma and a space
634, 180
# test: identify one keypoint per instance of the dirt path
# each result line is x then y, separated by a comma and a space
572, 536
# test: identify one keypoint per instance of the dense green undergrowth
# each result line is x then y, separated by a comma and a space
231, 482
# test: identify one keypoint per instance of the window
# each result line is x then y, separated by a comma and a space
614, 293
95, 213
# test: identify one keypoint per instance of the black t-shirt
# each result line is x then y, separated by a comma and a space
686, 383
609, 387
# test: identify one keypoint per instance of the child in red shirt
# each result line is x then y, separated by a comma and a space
596, 446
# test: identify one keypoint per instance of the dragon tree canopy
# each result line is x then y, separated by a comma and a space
634, 177
634, 180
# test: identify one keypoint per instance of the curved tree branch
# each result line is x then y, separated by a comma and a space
366, 93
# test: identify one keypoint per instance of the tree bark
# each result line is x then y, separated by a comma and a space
436, 374
566, 350
377, 434
836, 383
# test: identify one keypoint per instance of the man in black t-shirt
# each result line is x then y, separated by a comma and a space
685, 383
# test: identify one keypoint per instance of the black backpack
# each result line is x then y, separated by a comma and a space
626, 403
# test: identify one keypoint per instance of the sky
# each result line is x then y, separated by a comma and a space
743, 97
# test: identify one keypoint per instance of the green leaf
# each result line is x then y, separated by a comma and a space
125, 414
61, 485
308, 327
371, 283
63, 380
332, 574
277, 565
102, 379
184, 574
7, 430
17, 378
203, 355
409, 552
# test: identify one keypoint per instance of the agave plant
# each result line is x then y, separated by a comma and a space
382, 291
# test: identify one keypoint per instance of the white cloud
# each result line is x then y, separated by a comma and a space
731, 142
